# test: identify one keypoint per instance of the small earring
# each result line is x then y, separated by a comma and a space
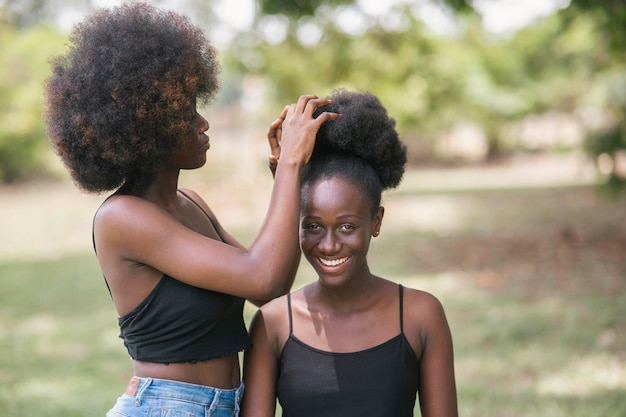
375, 234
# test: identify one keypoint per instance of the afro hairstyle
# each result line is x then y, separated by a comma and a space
120, 99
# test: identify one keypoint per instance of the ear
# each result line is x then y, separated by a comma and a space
378, 221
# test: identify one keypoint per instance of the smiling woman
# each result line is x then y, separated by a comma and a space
337, 220
351, 343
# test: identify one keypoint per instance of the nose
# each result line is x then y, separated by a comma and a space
328, 243
203, 124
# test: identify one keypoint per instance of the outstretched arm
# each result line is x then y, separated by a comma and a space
274, 136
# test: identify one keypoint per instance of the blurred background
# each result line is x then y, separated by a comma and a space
512, 211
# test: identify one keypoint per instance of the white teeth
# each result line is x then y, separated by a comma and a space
333, 262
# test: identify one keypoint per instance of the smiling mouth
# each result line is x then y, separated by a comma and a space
333, 262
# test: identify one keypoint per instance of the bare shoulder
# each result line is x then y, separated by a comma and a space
122, 207
190, 192
120, 213
275, 309
425, 322
197, 200
420, 298
275, 312
129, 225
195, 197
422, 306
272, 319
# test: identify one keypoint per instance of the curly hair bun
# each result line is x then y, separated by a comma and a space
364, 130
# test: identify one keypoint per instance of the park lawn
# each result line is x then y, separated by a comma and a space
533, 282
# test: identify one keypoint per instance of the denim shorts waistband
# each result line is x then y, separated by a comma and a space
165, 388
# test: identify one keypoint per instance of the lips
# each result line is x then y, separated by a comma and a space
332, 262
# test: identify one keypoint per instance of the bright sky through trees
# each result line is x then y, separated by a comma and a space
499, 16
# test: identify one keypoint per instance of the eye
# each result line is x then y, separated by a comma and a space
347, 227
311, 227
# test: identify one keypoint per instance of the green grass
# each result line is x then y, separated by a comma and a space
59, 351
533, 283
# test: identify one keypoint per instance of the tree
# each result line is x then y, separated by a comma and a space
28, 42
609, 143
23, 67
429, 82
569, 62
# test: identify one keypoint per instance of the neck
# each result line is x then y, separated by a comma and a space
163, 190
348, 298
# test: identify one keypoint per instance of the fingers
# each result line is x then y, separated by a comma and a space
273, 164
314, 104
302, 103
276, 124
301, 113
275, 130
273, 136
307, 104
299, 128
327, 116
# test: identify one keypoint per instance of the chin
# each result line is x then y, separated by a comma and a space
331, 281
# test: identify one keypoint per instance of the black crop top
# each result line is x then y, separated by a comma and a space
179, 323
381, 381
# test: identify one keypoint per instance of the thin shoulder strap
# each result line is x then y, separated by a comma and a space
289, 312
93, 234
401, 309
93, 224
93, 240
204, 211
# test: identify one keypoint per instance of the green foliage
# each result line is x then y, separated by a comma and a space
431, 82
570, 62
300, 8
608, 142
23, 68
606, 146
611, 18
21, 14
295, 8
414, 74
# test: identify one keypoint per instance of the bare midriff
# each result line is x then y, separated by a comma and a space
220, 373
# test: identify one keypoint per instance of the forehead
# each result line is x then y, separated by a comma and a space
335, 193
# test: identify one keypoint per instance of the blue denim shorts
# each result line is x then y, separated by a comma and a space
152, 397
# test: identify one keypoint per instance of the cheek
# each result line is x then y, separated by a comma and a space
359, 242
306, 242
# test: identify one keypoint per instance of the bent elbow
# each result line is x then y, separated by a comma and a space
271, 280
271, 291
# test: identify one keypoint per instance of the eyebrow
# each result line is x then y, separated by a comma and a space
341, 217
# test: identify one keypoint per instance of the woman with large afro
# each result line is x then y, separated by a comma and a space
121, 114
351, 343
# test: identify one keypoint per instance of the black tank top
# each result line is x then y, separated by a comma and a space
381, 381
178, 322
181, 323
